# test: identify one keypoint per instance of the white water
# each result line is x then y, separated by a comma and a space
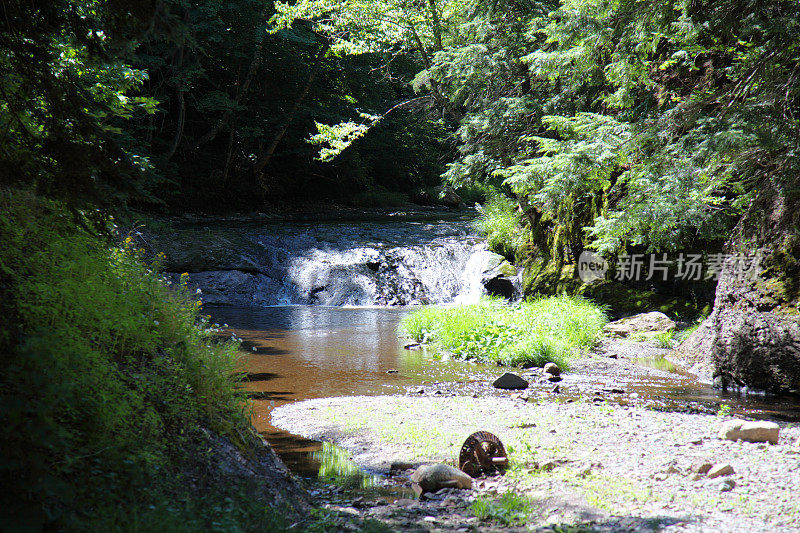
355, 264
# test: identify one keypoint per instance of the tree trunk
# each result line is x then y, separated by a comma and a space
263, 160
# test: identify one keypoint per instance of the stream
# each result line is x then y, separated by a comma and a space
302, 351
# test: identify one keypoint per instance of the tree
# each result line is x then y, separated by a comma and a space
65, 97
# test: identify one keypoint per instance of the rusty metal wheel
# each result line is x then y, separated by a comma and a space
483, 453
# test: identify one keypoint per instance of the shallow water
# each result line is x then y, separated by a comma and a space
304, 352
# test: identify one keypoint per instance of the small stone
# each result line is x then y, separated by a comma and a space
750, 431
556, 389
552, 369
721, 485
701, 467
510, 381
554, 379
413, 346
430, 519
660, 476
673, 470
612, 356
719, 470
696, 442
392, 371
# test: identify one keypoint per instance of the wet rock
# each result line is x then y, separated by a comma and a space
498, 276
552, 369
719, 470
653, 322
431, 478
554, 379
392, 371
510, 381
413, 346
759, 431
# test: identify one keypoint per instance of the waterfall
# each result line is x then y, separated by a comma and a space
349, 264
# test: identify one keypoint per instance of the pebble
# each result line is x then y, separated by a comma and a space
718, 470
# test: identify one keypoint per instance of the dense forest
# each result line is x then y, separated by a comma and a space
610, 126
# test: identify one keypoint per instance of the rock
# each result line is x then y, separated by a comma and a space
760, 431
554, 379
753, 332
556, 389
722, 485
510, 381
552, 369
498, 276
719, 470
701, 467
448, 197
653, 322
430, 478
413, 346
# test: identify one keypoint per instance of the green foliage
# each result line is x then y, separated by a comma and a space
511, 508
499, 220
67, 98
108, 375
530, 333
629, 123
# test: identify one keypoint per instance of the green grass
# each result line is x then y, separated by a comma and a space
511, 508
500, 222
530, 333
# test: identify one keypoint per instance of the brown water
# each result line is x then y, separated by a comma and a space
304, 352
294, 353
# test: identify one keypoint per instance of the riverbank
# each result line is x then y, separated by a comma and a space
583, 463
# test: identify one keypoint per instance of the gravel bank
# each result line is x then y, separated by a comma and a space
607, 467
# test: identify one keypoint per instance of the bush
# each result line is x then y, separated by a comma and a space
107, 375
530, 333
501, 223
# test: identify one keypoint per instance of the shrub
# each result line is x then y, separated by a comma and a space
499, 220
107, 373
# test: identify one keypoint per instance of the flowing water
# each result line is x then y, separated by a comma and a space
297, 352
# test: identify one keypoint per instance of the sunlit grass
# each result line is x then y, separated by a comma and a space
530, 333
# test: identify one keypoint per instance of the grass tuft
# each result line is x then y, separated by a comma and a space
530, 333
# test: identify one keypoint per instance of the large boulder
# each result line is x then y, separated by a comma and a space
649, 323
759, 431
499, 277
754, 329
430, 478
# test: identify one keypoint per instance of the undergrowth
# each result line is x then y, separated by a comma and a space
530, 333
110, 379
499, 220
